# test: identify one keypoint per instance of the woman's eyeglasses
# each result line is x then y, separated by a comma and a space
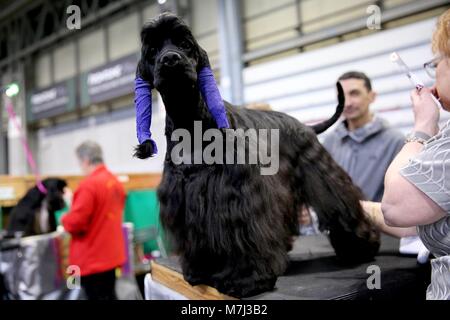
430, 67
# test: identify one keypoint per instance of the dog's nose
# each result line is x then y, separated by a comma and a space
170, 59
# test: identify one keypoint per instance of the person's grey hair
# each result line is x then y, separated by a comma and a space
90, 151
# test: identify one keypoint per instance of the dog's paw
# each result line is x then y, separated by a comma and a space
144, 150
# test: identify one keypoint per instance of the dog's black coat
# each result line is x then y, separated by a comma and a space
23, 216
232, 226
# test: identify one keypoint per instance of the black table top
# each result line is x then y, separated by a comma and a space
315, 273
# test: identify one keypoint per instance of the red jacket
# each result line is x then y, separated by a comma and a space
95, 223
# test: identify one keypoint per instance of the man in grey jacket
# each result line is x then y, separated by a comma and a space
363, 144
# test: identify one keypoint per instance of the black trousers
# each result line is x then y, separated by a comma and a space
2, 288
100, 286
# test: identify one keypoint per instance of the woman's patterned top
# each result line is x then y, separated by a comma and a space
429, 171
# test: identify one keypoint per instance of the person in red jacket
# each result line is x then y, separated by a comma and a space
95, 224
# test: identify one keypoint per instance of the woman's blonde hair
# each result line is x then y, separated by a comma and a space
441, 37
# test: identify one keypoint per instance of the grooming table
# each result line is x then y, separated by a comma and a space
313, 273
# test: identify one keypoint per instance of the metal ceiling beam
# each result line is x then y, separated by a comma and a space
92, 18
12, 8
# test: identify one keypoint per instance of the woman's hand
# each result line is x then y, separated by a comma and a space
426, 113
68, 196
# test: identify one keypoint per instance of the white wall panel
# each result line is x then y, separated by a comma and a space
64, 58
255, 7
42, 71
92, 50
204, 16
280, 19
205, 26
390, 40
150, 12
326, 13
124, 36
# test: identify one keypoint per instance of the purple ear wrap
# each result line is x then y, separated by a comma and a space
211, 95
143, 104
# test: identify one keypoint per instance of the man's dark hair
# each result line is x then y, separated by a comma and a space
357, 75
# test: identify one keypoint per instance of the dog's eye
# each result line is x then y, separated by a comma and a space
185, 44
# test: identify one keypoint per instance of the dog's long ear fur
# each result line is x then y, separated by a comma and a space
143, 68
203, 60
144, 150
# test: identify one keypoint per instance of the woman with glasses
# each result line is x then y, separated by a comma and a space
417, 183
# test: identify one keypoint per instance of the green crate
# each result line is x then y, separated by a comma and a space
60, 213
142, 209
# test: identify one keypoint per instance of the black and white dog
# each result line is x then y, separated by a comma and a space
232, 226
35, 212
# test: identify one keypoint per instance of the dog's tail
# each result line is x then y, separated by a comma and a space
322, 126
328, 189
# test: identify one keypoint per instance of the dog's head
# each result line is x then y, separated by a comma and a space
170, 53
173, 63
55, 190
